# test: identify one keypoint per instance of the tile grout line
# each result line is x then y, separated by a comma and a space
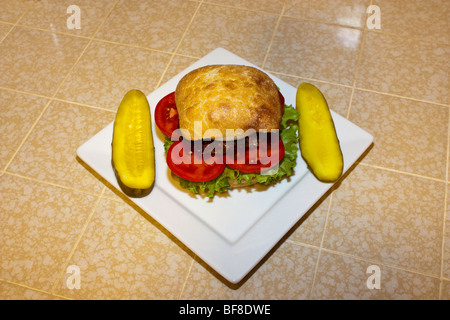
90, 39
54, 93
34, 125
32, 288
178, 45
52, 31
9, 31
385, 264
174, 53
282, 14
56, 99
99, 197
268, 70
15, 174
233, 7
350, 102
57, 89
324, 22
274, 33
25, 92
80, 104
186, 279
9, 22
403, 97
402, 172
409, 37
238, 8
143, 47
13, 25
444, 218
359, 88
79, 237
307, 78
102, 40
329, 206
316, 268
26, 135
259, 11
357, 67
372, 261
227, 6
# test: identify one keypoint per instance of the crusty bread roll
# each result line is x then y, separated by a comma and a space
221, 97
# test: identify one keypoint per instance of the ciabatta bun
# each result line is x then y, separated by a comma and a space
222, 97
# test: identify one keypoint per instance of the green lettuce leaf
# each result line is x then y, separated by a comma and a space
289, 136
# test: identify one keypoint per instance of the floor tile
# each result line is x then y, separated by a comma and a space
270, 6
40, 224
10, 291
345, 278
311, 226
287, 274
37, 61
337, 97
315, 50
17, 114
49, 153
106, 72
59, 87
245, 33
446, 257
131, 22
388, 217
445, 290
344, 12
406, 67
12, 10
178, 64
4, 29
413, 18
53, 16
122, 255
408, 135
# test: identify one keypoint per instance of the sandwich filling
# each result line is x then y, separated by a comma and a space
215, 142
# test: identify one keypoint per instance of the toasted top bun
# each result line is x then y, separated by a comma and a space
215, 98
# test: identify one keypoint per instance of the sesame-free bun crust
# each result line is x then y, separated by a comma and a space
222, 97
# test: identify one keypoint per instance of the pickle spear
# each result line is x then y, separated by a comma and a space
133, 154
318, 140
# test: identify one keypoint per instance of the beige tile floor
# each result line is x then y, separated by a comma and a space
59, 86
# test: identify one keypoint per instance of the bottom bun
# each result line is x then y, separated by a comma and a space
233, 183
236, 184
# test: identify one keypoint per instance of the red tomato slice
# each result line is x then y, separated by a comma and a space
166, 115
190, 165
261, 156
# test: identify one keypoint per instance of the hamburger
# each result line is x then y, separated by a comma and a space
227, 126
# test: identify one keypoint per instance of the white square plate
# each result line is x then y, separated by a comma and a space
230, 233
